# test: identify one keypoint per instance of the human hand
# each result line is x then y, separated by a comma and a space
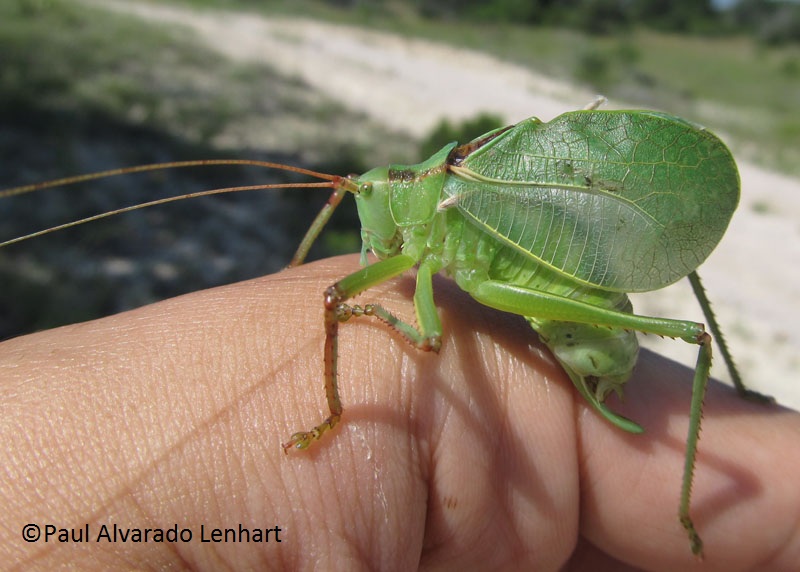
481, 457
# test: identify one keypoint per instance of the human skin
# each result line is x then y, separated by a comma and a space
482, 457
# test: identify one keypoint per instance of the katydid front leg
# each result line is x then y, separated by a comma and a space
426, 337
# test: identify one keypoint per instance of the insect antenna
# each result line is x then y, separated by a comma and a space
339, 185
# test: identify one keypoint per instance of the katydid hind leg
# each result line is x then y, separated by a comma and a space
713, 325
427, 337
702, 371
527, 302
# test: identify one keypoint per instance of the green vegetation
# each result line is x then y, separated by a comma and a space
770, 22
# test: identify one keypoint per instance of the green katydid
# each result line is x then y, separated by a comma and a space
554, 221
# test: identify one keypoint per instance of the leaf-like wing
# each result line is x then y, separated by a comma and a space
627, 201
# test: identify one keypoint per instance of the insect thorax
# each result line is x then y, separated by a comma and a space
446, 241
604, 357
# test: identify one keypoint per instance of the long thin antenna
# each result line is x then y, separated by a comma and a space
334, 182
21, 190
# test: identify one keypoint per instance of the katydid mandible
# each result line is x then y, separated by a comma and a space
554, 221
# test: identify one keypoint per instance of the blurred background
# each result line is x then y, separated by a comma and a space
345, 85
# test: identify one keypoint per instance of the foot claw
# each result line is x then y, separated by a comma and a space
303, 439
298, 441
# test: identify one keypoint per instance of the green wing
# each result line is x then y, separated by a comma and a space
628, 201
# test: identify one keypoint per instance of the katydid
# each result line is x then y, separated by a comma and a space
556, 222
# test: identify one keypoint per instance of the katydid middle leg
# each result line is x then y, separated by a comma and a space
711, 320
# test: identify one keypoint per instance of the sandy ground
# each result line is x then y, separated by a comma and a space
753, 277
